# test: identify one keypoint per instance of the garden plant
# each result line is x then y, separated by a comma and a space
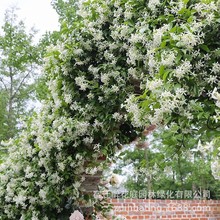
119, 66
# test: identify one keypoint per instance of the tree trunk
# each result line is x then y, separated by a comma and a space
10, 106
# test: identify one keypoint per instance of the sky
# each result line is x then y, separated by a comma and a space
37, 13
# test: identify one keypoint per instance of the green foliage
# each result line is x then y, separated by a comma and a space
66, 10
117, 67
83, 114
162, 167
18, 67
182, 92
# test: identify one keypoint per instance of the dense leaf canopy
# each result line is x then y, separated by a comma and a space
119, 66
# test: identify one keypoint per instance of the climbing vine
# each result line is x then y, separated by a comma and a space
118, 67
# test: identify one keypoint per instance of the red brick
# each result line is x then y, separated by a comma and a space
167, 209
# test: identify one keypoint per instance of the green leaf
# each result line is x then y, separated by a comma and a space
217, 52
145, 104
163, 44
190, 19
173, 30
178, 58
196, 90
185, 1
144, 95
161, 70
165, 75
205, 48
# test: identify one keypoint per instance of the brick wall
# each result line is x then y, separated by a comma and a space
153, 209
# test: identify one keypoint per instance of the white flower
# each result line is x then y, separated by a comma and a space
82, 128
101, 99
117, 116
153, 4
93, 171
215, 167
81, 82
216, 67
114, 180
88, 140
79, 157
189, 40
105, 78
205, 148
128, 14
78, 51
216, 96
158, 33
61, 166
209, 18
67, 98
90, 96
183, 69
154, 84
55, 178
167, 58
135, 38
76, 216
115, 88
212, 79
77, 185
29, 175
97, 147
42, 194
133, 72
20, 199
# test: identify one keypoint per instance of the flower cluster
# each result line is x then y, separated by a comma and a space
81, 120
114, 50
179, 56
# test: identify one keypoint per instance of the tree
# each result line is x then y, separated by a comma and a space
160, 168
18, 70
47, 40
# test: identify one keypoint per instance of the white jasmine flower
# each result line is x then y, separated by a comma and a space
215, 167
78, 51
154, 84
167, 58
216, 67
61, 166
82, 127
158, 33
81, 82
152, 4
212, 79
97, 147
42, 194
77, 185
76, 216
105, 78
183, 69
216, 96
189, 40
101, 99
90, 96
67, 98
114, 180
88, 140
115, 88
20, 199
117, 116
